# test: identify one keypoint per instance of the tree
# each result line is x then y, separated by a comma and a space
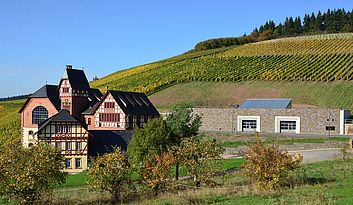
157, 170
111, 172
153, 140
183, 125
268, 166
198, 154
28, 173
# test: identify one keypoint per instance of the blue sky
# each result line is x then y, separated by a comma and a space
38, 38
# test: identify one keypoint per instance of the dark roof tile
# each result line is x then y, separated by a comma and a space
47, 91
62, 116
134, 103
77, 79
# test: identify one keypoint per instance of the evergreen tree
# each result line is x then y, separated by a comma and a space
306, 23
312, 26
278, 31
297, 26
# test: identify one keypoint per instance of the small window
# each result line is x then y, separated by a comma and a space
78, 163
68, 163
108, 104
330, 128
68, 145
30, 132
65, 90
63, 128
30, 145
78, 146
89, 121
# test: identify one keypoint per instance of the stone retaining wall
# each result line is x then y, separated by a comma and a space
312, 121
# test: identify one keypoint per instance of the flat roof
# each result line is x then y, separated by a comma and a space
275, 103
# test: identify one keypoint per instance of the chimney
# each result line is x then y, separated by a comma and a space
68, 66
106, 89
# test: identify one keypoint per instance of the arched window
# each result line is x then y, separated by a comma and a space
39, 114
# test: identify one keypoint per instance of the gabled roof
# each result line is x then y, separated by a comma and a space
77, 79
94, 92
132, 103
62, 116
47, 91
281, 103
91, 109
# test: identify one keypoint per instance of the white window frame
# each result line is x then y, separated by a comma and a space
241, 118
278, 119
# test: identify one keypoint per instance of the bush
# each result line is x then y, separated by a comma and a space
111, 172
268, 166
28, 174
198, 155
157, 170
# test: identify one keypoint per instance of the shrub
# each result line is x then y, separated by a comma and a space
157, 170
268, 166
198, 155
111, 172
28, 174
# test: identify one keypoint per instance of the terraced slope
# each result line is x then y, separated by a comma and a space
319, 58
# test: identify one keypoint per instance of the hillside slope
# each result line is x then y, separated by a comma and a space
222, 94
10, 121
313, 70
319, 58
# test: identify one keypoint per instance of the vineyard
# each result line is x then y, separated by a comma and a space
319, 58
315, 70
10, 127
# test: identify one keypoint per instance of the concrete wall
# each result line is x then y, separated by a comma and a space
312, 121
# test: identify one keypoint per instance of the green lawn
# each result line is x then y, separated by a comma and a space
327, 182
286, 141
74, 180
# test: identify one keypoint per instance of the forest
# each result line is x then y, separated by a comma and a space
331, 21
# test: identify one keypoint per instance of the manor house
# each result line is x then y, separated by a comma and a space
81, 121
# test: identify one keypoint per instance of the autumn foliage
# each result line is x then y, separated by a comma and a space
111, 172
27, 174
157, 170
268, 166
198, 155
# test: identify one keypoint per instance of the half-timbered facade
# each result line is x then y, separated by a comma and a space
80, 121
67, 134
120, 111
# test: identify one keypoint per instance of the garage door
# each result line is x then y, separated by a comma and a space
249, 125
288, 126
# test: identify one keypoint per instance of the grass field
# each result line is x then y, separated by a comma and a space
327, 182
223, 94
286, 141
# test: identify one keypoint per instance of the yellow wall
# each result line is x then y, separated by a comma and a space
73, 169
